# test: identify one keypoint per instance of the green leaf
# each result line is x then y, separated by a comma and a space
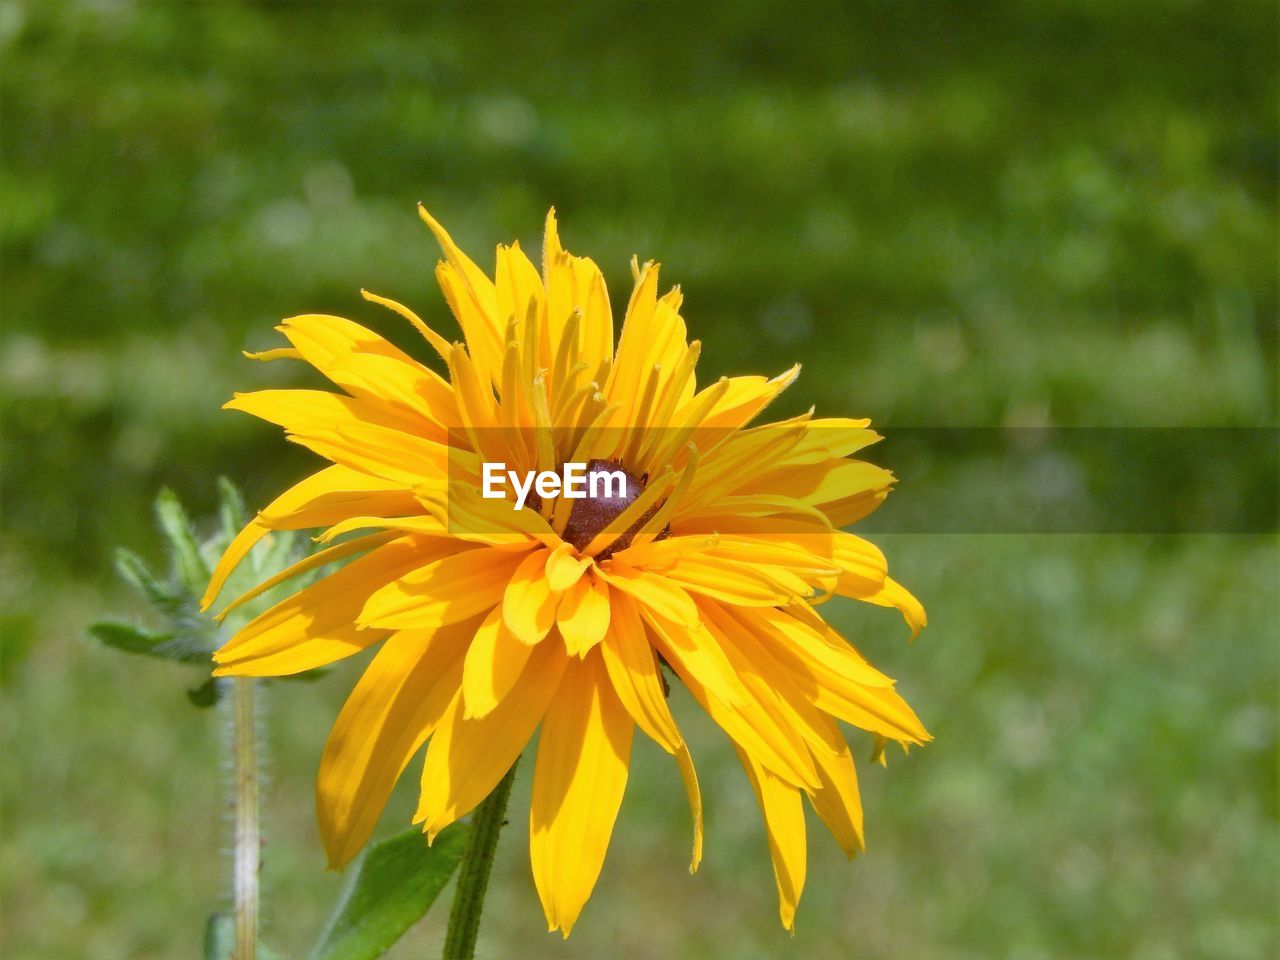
135, 571
219, 937
396, 883
187, 562
205, 695
166, 646
130, 639
231, 509
220, 940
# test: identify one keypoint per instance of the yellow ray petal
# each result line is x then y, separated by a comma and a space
565, 567
770, 686
322, 498
446, 590
369, 367
279, 353
626, 379
784, 824
319, 559
760, 725
838, 802
694, 651
745, 399
862, 565
438, 343
399, 699
633, 669
495, 660
732, 582
824, 482
516, 282
467, 757
317, 625
473, 300
654, 592
528, 604
426, 526
690, 777
583, 615
597, 327
894, 594
829, 682
833, 437
306, 412
846, 510
581, 775
469, 516
813, 642
348, 431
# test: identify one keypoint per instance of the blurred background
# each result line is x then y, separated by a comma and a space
1027, 214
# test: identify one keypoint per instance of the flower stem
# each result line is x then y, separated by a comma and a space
247, 837
473, 875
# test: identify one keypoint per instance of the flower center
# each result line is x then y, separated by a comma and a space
592, 514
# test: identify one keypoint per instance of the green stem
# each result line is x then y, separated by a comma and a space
473, 875
248, 834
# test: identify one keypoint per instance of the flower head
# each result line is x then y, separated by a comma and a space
706, 557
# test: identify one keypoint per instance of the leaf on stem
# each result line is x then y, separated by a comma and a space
396, 882
220, 940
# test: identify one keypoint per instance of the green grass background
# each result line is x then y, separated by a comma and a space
953, 214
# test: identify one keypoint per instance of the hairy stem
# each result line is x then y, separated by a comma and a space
473, 875
244, 745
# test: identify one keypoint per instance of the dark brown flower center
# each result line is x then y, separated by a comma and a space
593, 514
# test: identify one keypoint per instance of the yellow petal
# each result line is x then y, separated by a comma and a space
781, 699
322, 498
655, 593
469, 516
564, 567
369, 367
862, 565
690, 777
473, 300
758, 726
784, 823
825, 482
745, 399
280, 353
443, 591
838, 802
581, 775
894, 594
583, 615
633, 668
495, 660
348, 431
319, 559
438, 343
732, 582
467, 757
516, 282
626, 379
832, 438
399, 699
694, 651
528, 605
830, 675
317, 625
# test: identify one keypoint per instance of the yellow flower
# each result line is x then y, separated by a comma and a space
495, 620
